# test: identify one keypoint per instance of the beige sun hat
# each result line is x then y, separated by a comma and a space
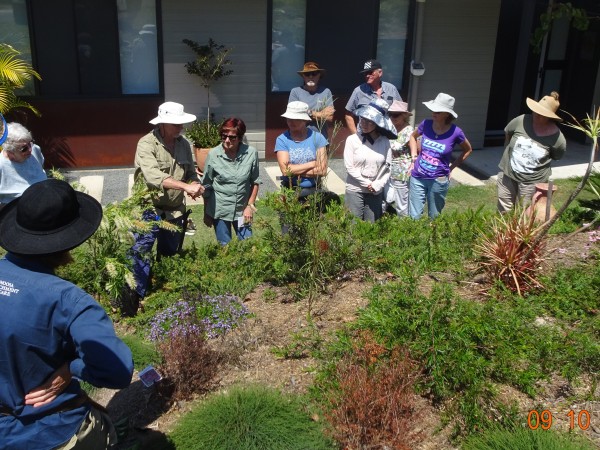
546, 107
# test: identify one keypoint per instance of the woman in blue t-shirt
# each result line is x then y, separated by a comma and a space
430, 176
301, 151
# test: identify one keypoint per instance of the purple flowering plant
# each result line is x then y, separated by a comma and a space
212, 315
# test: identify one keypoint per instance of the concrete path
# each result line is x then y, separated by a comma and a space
110, 185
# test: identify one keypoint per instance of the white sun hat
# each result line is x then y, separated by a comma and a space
297, 110
171, 112
442, 103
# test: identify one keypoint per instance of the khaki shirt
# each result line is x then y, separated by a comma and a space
155, 163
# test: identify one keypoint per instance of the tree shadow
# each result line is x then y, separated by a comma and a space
134, 411
57, 152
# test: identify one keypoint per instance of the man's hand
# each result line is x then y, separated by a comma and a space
47, 392
194, 189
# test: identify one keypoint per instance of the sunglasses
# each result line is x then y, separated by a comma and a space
231, 137
26, 147
310, 74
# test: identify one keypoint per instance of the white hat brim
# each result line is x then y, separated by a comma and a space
436, 107
179, 120
296, 116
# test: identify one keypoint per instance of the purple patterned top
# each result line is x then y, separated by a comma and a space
434, 158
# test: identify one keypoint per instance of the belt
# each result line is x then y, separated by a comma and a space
69, 405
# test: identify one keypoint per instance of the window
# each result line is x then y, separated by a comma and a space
339, 35
287, 48
87, 48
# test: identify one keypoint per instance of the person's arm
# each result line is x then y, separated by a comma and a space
466, 151
320, 169
414, 148
103, 359
287, 169
193, 189
324, 114
351, 167
349, 118
250, 208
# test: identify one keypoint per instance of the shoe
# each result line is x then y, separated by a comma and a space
191, 228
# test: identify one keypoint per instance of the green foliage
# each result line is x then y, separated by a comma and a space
407, 247
144, 353
467, 347
318, 246
101, 266
251, 418
203, 133
525, 439
304, 343
576, 16
14, 73
210, 63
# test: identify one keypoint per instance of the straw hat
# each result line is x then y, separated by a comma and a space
546, 107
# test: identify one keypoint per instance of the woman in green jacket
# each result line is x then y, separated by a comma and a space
231, 180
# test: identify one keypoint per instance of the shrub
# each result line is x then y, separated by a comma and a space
525, 439
374, 407
181, 330
511, 252
188, 364
213, 315
318, 244
251, 418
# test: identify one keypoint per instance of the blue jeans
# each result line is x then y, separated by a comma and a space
141, 252
223, 230
433, 191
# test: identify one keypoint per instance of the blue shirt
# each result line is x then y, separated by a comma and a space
300, 153
363, 95
46, 321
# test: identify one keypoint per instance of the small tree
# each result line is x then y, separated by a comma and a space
210, 65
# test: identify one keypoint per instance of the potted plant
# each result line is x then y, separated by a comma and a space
204, 135
210, 65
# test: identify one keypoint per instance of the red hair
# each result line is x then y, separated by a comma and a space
234, 124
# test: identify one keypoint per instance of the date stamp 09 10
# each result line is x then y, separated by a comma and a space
543, 420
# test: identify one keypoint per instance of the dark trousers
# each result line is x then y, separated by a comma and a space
169, 243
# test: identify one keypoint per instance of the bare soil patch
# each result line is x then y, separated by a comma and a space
249, 357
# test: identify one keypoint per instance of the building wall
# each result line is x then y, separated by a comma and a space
238, 25
458, 53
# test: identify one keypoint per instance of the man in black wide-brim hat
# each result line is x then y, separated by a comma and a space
53, 333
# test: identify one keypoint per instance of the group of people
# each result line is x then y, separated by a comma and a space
54, 334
